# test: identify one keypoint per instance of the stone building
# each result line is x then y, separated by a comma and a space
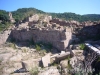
54, 34
59, 39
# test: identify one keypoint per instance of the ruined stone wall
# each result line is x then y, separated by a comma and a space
60, 22
4, 36
59, 39
90, 32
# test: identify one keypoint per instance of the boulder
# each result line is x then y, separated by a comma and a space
77, 52
64, 63
46, 60
62, 56
30, 63
73, 61
76, 61
34, 18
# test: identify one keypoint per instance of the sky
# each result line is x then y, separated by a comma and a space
57, 6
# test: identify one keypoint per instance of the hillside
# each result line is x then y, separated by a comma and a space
23, 13
33, 42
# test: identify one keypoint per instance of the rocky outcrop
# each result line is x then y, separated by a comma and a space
4, 36
46, 60
33, 18
11, 18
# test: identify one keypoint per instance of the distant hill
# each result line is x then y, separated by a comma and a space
4, 15
23, 13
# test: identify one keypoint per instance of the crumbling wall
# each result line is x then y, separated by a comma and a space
4, 36
59, 39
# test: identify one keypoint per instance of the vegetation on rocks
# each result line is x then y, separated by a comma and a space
38, 48
23, 13
82, 46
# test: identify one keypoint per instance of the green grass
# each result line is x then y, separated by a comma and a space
45, 46
4, 26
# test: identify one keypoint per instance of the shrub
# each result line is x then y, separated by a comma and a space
82, 46
38, 48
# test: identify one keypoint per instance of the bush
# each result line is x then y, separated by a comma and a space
38, 48
82, 46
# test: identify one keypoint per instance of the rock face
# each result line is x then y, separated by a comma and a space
47, 19
11, 18
90, 31
33, 18
65, 23
46, 60
76, 61
4, 36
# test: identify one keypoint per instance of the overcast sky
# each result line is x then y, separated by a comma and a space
58, 6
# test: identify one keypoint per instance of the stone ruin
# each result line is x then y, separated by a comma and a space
59, 39
45, 29
42, 31
45, 32
11, 18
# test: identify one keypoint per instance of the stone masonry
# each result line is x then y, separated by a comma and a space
59, 39
45, 32
4, 36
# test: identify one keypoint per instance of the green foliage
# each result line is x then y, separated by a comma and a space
82, 46
38, 48
23, 13
4, 25
4, 16
73, 16
45, 46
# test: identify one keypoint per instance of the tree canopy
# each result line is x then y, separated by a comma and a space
4, 15
23, 13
